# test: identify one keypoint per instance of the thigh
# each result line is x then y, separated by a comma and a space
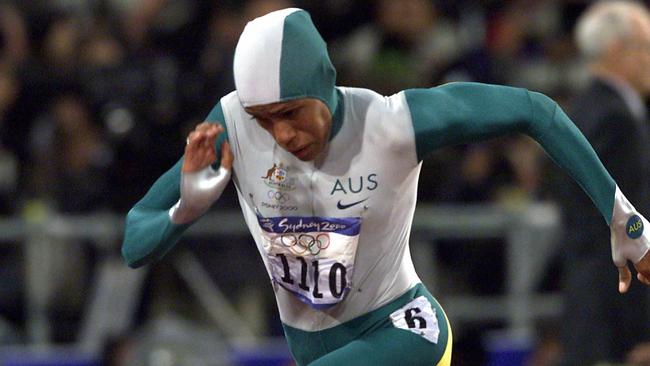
391, 345
388, 348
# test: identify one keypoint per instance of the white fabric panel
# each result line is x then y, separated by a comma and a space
199, 191
369, 170
257, 59
629, 232
419, 317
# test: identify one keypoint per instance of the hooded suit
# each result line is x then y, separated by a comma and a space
333, 233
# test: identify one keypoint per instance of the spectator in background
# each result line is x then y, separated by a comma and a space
72, 161
614, 38
11, 271
53, 69
9, 89
522, 43
407, 43
60, 48
14, 36
72, 157
14, 50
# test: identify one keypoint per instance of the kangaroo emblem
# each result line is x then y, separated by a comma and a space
269, 173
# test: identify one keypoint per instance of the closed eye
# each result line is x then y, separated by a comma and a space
256, 118
288, 113
264, 123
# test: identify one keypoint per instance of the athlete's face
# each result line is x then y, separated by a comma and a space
301, 126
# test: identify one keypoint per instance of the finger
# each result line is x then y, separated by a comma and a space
192, 138
205, 142
639, 354
207, 158
226, 155
202, 126
208, 143
208, 127
624, 279
214, 131
214, 134
198, 135
643, 279
209, 132
643, 265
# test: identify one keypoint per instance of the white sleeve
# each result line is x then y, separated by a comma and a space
630, 240
199, 190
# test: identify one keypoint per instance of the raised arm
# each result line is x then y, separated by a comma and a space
180, 196
469, 112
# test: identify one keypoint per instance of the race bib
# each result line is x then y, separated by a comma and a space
419, 317
312, 257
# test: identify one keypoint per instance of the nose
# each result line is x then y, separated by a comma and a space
283, 133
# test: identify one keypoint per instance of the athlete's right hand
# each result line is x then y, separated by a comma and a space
630, 239
200, 148
642, 274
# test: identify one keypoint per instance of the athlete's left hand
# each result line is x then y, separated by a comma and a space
200, 150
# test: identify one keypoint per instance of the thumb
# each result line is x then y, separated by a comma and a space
643, 279
226, 155
624, 279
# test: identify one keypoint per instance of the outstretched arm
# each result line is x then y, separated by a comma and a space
180, 196
469, 112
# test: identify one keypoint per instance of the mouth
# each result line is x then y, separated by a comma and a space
301, 152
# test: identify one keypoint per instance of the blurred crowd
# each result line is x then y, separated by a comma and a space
97, 96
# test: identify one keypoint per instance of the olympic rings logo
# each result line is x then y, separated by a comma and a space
301, 243
278, 196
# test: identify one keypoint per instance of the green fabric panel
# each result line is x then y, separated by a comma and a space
305, 66
337, 118
216, 116
149, 233
460, 113
568, 148
373, 328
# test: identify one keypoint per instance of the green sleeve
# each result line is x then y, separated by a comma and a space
459, 113
216, 116
149, 232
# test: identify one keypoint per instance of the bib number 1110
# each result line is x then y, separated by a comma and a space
337, 280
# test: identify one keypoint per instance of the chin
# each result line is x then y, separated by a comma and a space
310, 153
306, 157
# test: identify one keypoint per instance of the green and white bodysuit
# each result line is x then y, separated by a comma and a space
333, 233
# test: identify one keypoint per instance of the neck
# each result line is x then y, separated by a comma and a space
600, 70
625, 90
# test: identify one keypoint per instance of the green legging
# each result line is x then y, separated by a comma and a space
373, 340
388, 347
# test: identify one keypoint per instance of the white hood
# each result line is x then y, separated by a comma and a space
281, 56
